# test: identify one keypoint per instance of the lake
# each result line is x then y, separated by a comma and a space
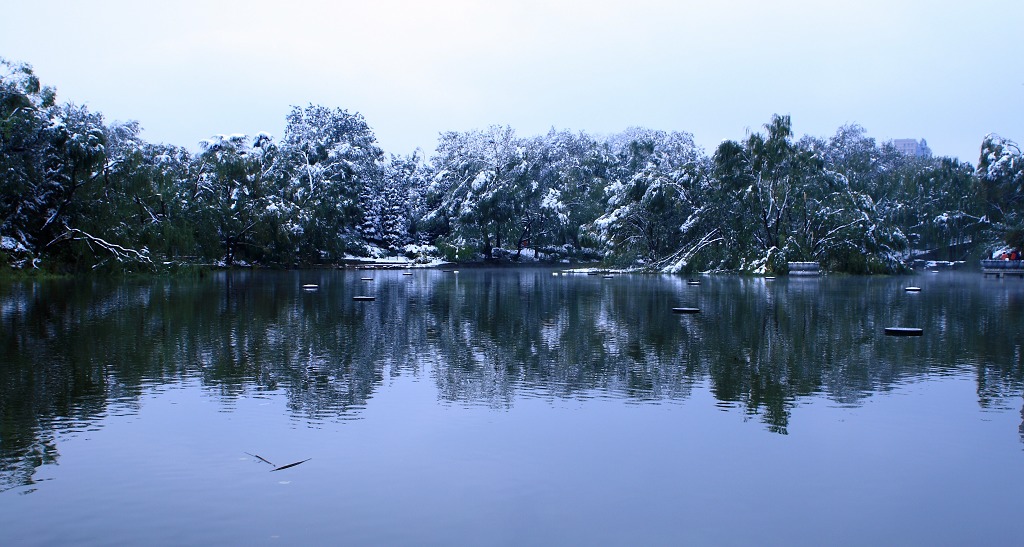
511, 407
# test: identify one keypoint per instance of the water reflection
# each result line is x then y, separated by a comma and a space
73, 352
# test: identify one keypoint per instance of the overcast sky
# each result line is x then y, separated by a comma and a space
946, 71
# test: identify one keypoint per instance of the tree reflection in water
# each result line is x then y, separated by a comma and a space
73, 351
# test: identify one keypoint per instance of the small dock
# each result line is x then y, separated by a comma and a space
1001, 268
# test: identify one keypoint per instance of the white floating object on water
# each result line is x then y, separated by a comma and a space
769, 277
367, 279
364, 298
406, 273
455, 271
685, 310
693, 282
913, 289
903, 331
310, 287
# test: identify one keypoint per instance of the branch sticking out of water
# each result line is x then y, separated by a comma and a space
289, 465
260, 458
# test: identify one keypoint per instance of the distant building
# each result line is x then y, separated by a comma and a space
911, 147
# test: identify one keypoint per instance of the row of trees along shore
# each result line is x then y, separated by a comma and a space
79, 194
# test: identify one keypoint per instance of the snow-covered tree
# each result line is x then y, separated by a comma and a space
1001, 181
24, 138
653, 199
329, 156
785, 200
761, 180
235, 184
482, 190
62, 194
572, 170
404, 183
77, 193
161, 194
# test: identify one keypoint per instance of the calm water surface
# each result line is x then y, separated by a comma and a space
511, 407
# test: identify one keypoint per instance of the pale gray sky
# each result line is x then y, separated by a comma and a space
946, 71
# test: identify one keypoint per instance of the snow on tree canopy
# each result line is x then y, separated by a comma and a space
77, 191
